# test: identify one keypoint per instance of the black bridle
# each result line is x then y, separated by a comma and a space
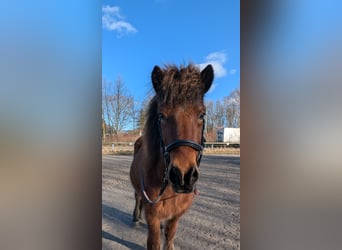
177, 143
166, 150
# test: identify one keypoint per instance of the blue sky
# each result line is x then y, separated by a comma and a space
136, 35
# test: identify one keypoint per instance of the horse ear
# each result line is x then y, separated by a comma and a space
207, 77
157, 78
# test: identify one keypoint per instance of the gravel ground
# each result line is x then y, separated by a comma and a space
213, 221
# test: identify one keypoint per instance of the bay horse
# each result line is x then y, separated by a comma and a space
166, 160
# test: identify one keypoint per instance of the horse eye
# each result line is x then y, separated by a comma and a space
161, 116
202, 116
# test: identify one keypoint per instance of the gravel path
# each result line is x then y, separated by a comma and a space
213, 222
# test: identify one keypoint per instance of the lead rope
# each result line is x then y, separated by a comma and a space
165, 182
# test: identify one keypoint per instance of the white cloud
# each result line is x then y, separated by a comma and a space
112, 20
217, 60
217, 56
115, 10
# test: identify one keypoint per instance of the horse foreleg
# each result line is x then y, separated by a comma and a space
153, 239
137, 208
170, 233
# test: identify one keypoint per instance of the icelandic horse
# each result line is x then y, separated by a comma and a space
167, 156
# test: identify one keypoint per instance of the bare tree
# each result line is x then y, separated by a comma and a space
121, 105
232, 109
142, 112
106, 114
210, 115
117, 105
215, 114
223, 113
219, 114
138, 115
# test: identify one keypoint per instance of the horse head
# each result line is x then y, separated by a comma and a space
181, 112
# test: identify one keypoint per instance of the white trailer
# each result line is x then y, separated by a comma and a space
231, 136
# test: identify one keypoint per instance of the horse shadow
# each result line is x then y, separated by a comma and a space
125, 243
121, 218
116, 215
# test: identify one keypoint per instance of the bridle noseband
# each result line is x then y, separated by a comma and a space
166, 150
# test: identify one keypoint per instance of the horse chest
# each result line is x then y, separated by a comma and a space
176, 206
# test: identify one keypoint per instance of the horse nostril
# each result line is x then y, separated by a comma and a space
188, 180
175, 175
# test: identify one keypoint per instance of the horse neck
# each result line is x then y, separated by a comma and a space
155, 161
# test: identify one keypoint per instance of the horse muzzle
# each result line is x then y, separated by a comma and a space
183, 183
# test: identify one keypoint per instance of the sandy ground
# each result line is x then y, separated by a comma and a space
213, 222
